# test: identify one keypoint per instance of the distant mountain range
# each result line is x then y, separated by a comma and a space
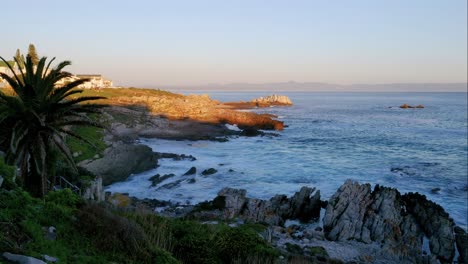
323, 87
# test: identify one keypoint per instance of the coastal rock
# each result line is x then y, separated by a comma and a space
120, 160
435, 223
171, 185
94, 190
273, 100
209, 171
21, 259
406, 106
303, 205
461, 238
157, 179
397, 222
191, 171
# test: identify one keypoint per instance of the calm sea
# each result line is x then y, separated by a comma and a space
331, 137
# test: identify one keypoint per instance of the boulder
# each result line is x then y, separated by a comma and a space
157, 179
21, 259
191, 171
209, 171
120, 161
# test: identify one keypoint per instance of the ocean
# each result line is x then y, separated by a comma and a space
330, 137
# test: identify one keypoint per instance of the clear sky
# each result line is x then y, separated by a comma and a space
198, 42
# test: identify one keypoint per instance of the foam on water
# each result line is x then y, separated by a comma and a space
331, 137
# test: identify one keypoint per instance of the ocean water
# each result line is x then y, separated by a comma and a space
330, 137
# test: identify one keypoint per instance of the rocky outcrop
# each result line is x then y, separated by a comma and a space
461, 239
397, 222
121, 160
94, 191
209, 171
272, 100
406, 106
191, 171
435, 223
303, 205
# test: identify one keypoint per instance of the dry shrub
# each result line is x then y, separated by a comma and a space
112, 233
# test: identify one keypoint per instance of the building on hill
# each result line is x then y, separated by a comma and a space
95, 81
5, 69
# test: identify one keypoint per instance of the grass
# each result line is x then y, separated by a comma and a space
94, 136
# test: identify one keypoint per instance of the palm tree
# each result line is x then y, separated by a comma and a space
36, 117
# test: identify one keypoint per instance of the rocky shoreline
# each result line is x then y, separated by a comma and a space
357, 224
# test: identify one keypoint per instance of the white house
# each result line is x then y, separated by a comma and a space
95, 81
4, 69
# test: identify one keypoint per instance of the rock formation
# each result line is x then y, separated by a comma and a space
272, 100
303, 205
120, 160
94, 190
397, 222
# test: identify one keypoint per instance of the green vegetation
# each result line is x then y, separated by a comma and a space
96, 144
92, 233
36, 118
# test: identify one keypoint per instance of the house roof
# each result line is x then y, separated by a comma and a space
3, 64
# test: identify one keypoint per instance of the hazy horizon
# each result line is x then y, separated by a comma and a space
203, 43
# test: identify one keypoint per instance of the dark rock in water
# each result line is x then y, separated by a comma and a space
175, 156
157, 179
171, 185
435, 223
435, 190
461, 239
231, 170
191, 171
251, 132
303, 205
191, 180
209, 171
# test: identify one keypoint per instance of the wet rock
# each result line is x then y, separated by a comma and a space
435, 223
191, 180
251, 132
461, 239
157, 179
171, 185
15, 258
191, 171
209, 171
435, 190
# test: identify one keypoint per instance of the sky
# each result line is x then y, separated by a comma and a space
150, 43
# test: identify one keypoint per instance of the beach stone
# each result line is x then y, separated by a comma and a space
191, 171
209, 171
21, 259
